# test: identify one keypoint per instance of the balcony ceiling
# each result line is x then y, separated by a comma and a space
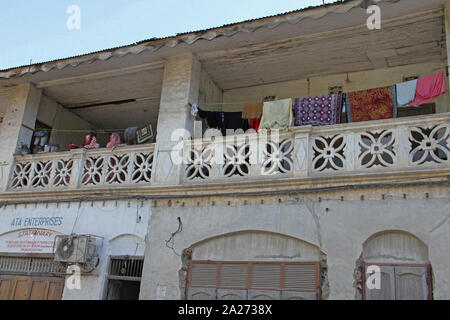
98, 100
244, 55
342, 51
335, 53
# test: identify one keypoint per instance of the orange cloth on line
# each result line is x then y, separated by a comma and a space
429, 88
252, 110
373, 104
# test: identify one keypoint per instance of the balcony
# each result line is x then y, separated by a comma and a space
413, 144
405, 144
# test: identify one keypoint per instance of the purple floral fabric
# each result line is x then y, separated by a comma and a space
318, 111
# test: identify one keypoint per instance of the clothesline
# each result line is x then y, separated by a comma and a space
109, 131
81, 131
241, 103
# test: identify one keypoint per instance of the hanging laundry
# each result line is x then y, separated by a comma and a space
406, 92
233, 121
277, 114
213, 118
252, 110
114, 140
429, 88
254, 123
144, 134
318, 111
194, 110
372, 104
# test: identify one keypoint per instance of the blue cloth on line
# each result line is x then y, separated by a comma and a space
406, 92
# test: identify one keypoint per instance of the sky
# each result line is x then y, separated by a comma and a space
38, 31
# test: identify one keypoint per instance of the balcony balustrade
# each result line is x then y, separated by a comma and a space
385, 146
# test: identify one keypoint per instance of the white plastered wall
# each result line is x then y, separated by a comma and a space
66, 126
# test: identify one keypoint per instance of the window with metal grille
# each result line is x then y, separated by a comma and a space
30, 265
254, 275
126, 267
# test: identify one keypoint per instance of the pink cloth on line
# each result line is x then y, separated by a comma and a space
429, 88
114, 140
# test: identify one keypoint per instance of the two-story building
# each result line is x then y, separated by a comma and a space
300, 213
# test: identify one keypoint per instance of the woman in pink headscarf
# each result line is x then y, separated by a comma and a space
114, 140
91, 142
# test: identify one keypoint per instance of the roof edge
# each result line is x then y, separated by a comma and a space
155, 44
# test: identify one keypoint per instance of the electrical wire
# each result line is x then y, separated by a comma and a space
170, 242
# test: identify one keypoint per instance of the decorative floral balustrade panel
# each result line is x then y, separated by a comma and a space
413, 143
244, 156
131, 165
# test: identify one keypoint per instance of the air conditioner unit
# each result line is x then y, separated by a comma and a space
74, 248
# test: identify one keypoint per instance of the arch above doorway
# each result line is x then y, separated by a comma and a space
395, 247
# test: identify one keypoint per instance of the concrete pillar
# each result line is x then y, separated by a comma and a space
447, 32
180, 87
18, 124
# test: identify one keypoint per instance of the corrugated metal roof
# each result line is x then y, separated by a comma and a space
172, 41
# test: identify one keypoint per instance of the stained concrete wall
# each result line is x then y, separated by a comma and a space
181, 85
338, 228
356, 81
18, 124
209, 90
66, 126
4, 97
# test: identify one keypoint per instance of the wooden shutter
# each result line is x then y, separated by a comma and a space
300, 276
231, 294
21, 288
233, 275
39, 287
55, 289
411, 283
387, 290
253, 281
202, 294
30, 288
6, 286
266, 276
204, 275
264, 294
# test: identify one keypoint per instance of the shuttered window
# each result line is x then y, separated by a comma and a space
266, 276
300, 276
253, 280
400, 282
204, 275
234, 275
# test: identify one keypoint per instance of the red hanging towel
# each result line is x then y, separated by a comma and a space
254, 123
429, 88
